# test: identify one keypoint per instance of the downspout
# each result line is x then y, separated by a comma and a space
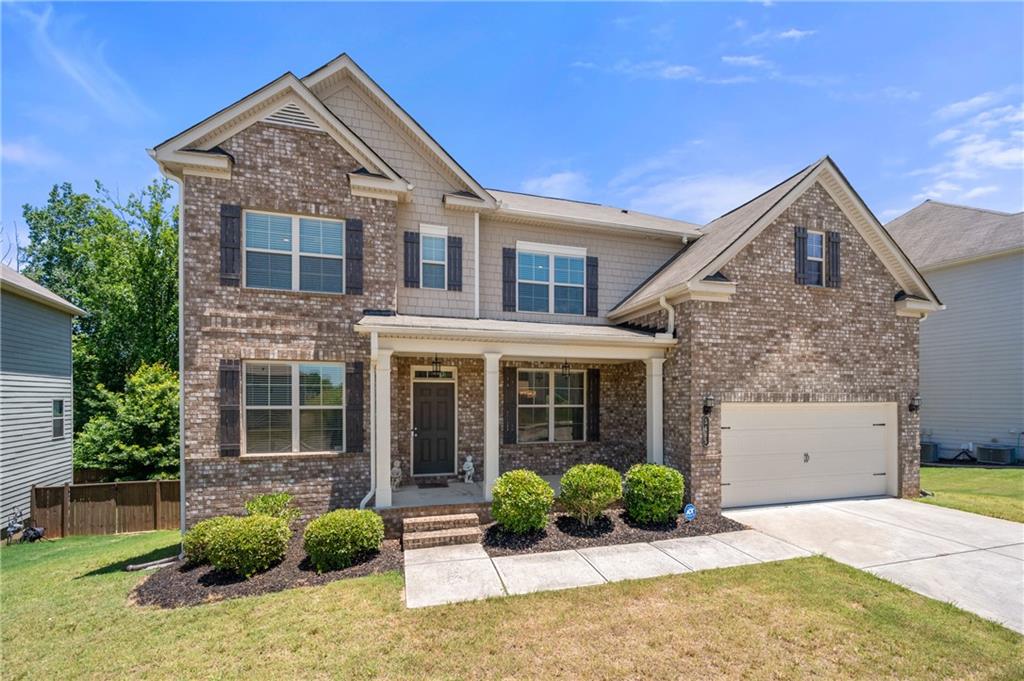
476, 265
373, 420
671, 330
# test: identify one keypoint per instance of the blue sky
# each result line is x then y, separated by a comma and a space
678, 109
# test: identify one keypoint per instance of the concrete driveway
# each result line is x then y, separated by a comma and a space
972, 561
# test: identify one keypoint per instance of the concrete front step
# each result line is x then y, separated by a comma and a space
448, 537
440, 522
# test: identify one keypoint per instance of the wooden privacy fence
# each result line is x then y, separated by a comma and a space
106, 507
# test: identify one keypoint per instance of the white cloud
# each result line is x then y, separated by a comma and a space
28, 153
656, 69
980, 191
966, 106
565, 184
890, 92
771, 35
937, 190
795, 34
947, 135
753, 61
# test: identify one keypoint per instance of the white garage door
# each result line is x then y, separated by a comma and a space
775, 453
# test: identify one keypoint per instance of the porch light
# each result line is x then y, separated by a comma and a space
435, 367
709, 404
915, 403
565, 367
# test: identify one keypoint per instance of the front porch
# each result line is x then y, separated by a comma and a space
509, 395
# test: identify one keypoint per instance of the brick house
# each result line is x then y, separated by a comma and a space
356, 306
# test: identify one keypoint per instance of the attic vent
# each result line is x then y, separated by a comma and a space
291, 114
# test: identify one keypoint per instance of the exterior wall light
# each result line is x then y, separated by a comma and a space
435, 367
565, 367
709, 404
915, 403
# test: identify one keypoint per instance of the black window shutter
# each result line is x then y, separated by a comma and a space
354, 257
354, 407
508, 279
800, 254
833, 274
412, 259
591, 286
229, 390
593, 405
508, 405
455, 263
230, 245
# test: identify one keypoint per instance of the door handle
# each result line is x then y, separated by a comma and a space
807, 457
415, 431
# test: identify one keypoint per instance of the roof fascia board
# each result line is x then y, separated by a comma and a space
972, 259
534, 217
378, 187
712, 291
35, 296
911, 307
557, 339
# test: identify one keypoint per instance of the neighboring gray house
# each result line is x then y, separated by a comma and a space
35, 389
972, 355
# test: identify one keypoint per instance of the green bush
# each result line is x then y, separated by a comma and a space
522, 501
654, 494
197, 539
334, 540
588, 489
277, 505
248, 544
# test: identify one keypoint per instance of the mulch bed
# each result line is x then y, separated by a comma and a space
179, 585
565, 532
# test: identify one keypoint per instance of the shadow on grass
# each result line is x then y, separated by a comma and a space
119, 566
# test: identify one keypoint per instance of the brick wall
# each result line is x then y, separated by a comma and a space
284, 170
782, 342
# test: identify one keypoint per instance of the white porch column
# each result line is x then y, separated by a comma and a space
655, 411
382, 429
491, 375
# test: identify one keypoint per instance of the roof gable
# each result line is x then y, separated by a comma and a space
17, 283
322, 80
729, 234
936, 234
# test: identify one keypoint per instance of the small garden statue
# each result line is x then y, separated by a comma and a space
468, 469
396, 475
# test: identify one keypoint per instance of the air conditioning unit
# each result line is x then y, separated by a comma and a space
929, 452
998, 454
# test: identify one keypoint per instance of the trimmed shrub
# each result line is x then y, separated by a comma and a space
277, 505
588, 489
654, 494
336, 539
522, 501
248, 544
198, 538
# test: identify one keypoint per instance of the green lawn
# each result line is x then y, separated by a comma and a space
64, 614
994, 492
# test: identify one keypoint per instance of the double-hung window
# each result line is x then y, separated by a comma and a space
815, 258
294, 407
433, 257
57, 414
550, 406
550, 278
292, 253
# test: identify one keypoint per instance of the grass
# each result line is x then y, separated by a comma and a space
65, 614
993, 492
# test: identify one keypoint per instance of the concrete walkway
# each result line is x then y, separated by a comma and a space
972, 561
449, 574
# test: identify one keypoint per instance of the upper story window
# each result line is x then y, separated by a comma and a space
292, 253
815, 272
550, 406
294, 407
433, 257
57, 412
550, 278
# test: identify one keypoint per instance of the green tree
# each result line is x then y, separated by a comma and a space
134, 433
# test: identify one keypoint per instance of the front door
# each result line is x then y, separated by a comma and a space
433, 428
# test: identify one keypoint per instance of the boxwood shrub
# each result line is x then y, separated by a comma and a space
522, 501
654, 494
588, 489
336, 539
198, 538
277, 505
248, 544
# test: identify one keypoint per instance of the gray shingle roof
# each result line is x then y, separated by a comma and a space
935, 233
11, 279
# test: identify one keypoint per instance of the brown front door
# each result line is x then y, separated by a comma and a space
433, 422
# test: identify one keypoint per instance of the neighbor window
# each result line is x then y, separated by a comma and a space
294, 407
550, 406
550, 280
433, 257
57, 414
815, 258
293, 253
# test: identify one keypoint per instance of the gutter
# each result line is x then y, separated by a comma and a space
671, 330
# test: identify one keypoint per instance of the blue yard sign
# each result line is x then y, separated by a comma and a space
690, 512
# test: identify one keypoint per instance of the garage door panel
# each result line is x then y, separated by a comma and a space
814, 438
800, 489
755, 466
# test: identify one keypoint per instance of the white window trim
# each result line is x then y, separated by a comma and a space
821, 259
55, 419
551, 406
550, 251
440, 232
295, 408
295, 252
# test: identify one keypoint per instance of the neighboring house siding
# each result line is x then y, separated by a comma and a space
35, 369
624, 261
431, 182
972, 355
